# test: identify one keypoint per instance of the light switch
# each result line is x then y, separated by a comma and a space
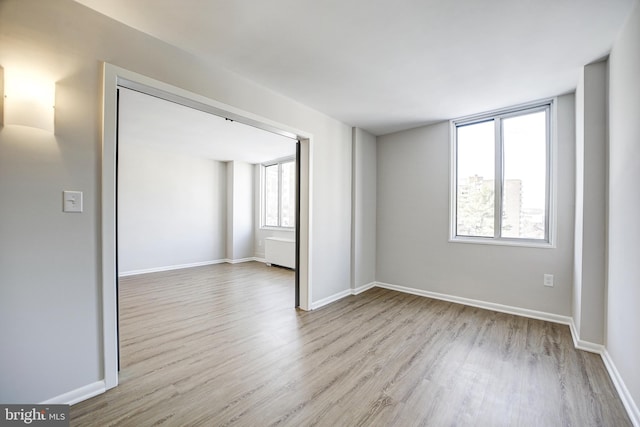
72, 201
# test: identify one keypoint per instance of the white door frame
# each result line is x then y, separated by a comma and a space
114, 76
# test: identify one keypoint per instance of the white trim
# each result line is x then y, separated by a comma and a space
170, 267
330, 299
552, 220
108, 226
453, 179
550, 106
524, 312
190, 265
584, 345
623, 391
509, 111
525, 243
342, 294
239, 260
78, 395
363, 288
306, 220
282, 229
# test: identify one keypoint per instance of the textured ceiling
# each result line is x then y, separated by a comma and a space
389, 65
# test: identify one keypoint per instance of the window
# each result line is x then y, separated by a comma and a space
279, 196
501, 179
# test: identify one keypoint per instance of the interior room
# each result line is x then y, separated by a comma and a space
465, 228
191, 187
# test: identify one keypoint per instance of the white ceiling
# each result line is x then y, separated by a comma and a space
387, 65
163, 125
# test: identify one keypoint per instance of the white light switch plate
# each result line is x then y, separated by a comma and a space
72, 201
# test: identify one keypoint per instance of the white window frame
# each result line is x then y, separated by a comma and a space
550, 215
263, 189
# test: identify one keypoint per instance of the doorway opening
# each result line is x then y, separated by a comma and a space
114, 78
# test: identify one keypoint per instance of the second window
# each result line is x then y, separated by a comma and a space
502, 176
279, 186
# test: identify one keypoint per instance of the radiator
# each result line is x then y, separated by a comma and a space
279, 251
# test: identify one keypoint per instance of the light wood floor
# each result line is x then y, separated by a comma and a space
221, 345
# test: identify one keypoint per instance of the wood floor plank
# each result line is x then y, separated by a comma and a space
221, 345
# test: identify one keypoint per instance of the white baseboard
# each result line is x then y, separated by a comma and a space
361, 289
78, 395
170, 267
623, 391
193, 264
524, 312
262, 260
330, 299
584, 345
239, 260
342, 294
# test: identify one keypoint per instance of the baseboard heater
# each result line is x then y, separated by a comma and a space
280, 251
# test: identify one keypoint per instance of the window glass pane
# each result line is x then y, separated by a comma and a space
288, 206
525, 170
475, 183
271, 196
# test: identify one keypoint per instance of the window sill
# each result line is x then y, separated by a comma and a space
504, 242
271, 228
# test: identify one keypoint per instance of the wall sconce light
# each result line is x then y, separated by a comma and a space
29, 100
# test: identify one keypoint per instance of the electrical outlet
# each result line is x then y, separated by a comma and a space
548, 280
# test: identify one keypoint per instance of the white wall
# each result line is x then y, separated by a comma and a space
240, 210
363, 224
331, 199
413, 224
56, 256
591, 180
48, 267
623, 295
171, 209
